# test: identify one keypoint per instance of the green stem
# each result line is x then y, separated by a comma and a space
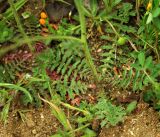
156, 43
154, 48
118, 35
137, 10
19, 25
17, 87
78, 129
50, 90
59, 114
151, 80
53, 37
154, 83
89, 60
74, 108
113, 28
22, 41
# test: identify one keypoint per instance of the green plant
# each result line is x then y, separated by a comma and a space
6, 32
142, 72
109, 114
7, 98
105, 111
94, 12
91, 11
113, 53
66, 67
59, 114
8, 14
131, 106
152, 96
89, 133
5, 101
109, 4
149, 28
21, 113
84, 39
19, 25
64, 29
153, 13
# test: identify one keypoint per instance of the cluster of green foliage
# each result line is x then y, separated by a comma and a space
128, 40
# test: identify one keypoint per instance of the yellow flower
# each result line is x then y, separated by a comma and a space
43, 15
149, 6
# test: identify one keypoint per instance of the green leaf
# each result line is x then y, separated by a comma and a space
129, 79
5, 111
17, 87
148, 96
6, 33
94, 7
146, 80
135, 86
89, 133
156, 23
141, 58
86, 12
26, 14
150, 18
103, 123
148, 62
8, 14
156, 3
116, 2
131, 106
156, 12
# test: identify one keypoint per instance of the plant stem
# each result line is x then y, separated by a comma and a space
156, 43
19, 88
22, 41
154, 48
112, 27
151, 80
74, 108
154, 83
80, 128
59, 114
89, 60
55, 37
118, 35
137, 10
19, 25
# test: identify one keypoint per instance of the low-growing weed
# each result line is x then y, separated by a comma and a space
109, 114
104, 110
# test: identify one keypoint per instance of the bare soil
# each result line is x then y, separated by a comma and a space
38, 123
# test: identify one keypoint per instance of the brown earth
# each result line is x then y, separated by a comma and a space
38, 123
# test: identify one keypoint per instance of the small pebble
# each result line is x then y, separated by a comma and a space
42, 116
34, 131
